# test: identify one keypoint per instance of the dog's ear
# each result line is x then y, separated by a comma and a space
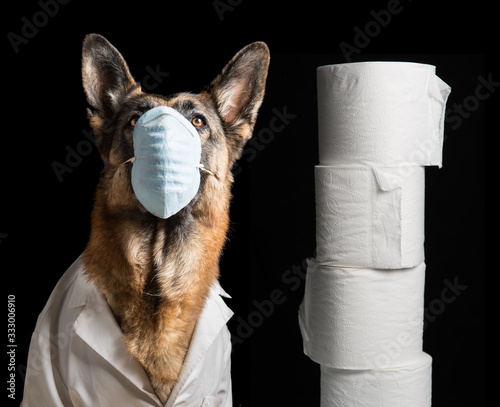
238, 93
106, 77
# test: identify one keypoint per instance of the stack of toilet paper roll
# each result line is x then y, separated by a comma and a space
380, 124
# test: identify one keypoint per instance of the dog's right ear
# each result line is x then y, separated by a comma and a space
106, 78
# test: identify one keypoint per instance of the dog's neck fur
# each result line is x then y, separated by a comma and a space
155, 285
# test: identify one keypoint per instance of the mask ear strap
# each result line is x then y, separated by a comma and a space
202, 168
130, 160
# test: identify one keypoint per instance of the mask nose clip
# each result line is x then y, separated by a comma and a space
154, 118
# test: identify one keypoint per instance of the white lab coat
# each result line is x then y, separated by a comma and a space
77, 357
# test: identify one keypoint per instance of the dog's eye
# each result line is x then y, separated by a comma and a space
198, 121
133, 120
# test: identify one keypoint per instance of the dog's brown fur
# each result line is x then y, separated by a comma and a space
156, 273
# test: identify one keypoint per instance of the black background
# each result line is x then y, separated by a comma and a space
45, 219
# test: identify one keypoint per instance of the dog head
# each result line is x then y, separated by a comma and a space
223, 115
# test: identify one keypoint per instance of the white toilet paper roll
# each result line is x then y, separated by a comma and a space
370, 217
362, 318
381, 113
407, 386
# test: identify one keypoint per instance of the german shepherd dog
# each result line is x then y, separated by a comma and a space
156, 273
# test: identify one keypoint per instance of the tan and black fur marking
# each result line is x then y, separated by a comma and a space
156, 273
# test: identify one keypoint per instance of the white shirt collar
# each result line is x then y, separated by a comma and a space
97, 326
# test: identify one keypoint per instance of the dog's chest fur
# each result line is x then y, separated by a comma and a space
156, 280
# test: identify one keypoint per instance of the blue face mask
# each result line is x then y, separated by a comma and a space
166, 167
